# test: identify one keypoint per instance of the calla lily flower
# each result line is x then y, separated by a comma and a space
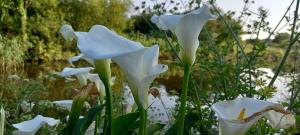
83, 75
30, 127
65, 103
139, 64
80, 73
187, 28
100, 42
237, 116
98, 82
67, 32
141, 68
81, 56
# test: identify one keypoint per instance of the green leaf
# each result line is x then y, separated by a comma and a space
123, 124
297, 119
190, 120
83, 124
154, 128
77, 106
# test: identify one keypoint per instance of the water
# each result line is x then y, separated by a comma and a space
160, 109
281, 84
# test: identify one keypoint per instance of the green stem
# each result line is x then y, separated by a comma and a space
287, 51
98, 117
103, 70
143, 121
233, 33
183, 98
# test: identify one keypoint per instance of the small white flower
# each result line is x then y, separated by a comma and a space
80, 73
141, 68
81, 56
65, 103
67, 32
26, 107
237, 116
14, 77
98, 82
187, 28
30, 127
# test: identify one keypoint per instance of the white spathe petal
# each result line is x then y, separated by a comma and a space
228, 113
81, 56
132, 66
141, 68
32, 126
227, 127
132, 63
146, 82
80, 73
279, 120
150, 59
67, 32
166, 22
75, 71
98, 82
64, 103
187, 28
230, 109
75, 58
102, 43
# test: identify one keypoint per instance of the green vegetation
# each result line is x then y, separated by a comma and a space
223, 70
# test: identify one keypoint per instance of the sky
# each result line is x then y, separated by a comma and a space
275, 8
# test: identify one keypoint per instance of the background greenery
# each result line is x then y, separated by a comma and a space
29, 33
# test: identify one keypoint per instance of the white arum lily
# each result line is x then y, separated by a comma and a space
100, 42
237, 116
141, 68
67, 32
140, 64
83, 75
137, 62
187, 28
30, 127
81, 56
80, 73
64, 103
99, 84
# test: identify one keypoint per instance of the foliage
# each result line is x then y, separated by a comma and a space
37, 23
12, 53
223, 70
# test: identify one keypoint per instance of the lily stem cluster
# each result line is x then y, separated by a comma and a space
183, 99
104, 71
143, 121
291, 43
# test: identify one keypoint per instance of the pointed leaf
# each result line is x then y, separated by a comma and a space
77, 107
83, 125
123, 124
154, 128
190, 120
